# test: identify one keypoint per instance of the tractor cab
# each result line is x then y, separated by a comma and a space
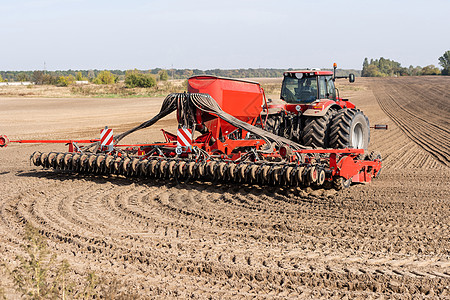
303, 87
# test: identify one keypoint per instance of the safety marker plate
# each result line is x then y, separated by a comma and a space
184, 138
107, 137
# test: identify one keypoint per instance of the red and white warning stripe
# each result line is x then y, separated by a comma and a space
106, 137
184, 138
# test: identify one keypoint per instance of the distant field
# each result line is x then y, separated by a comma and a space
272, 87
93, 90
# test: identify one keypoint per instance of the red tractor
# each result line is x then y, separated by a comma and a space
312, 113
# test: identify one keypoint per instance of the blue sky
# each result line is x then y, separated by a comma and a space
200, 34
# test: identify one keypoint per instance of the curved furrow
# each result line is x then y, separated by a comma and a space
432, 137
422, 140
412, 113
142, 228
426, 92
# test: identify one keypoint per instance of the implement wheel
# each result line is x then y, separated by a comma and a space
340, 183
373, 156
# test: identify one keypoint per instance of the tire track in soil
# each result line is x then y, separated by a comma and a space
209, 239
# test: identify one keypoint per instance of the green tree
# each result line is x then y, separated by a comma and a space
163, 76
372, 71
365, 65
91, 74
38, 77
105, 77
49, 79
431, 70
66, 80
22, 77
383, 67
79, 77
417, 71
1, 78
444, 61
135, 78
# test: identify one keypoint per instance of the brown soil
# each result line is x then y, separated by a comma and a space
387, 238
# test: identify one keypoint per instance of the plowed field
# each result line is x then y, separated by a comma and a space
387, 238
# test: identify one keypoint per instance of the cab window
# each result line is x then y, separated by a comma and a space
299, 90
331, 91
322, 87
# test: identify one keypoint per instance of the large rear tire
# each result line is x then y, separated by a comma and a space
349, 129
316, 130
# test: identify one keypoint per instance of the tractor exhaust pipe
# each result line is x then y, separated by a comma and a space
334, 70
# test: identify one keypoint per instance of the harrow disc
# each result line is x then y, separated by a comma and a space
267, 173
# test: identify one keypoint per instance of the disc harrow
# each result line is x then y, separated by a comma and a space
261, 173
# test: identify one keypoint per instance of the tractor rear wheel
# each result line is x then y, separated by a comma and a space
349, 129
316, 130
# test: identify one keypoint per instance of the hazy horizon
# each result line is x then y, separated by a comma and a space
200, 34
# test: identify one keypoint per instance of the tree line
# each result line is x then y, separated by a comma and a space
65, 77
383, 67
375, 68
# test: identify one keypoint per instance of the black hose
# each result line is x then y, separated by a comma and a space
207, 104
169, 105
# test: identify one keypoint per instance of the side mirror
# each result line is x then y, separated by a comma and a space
351, 77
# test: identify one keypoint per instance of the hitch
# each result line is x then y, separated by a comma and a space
4, 141
378, 127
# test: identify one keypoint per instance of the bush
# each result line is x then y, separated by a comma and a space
431, 70
49, 79
80, 77
105, 77
39, 275
40, 77
66, 80
163, 76
136, 79
22, 77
